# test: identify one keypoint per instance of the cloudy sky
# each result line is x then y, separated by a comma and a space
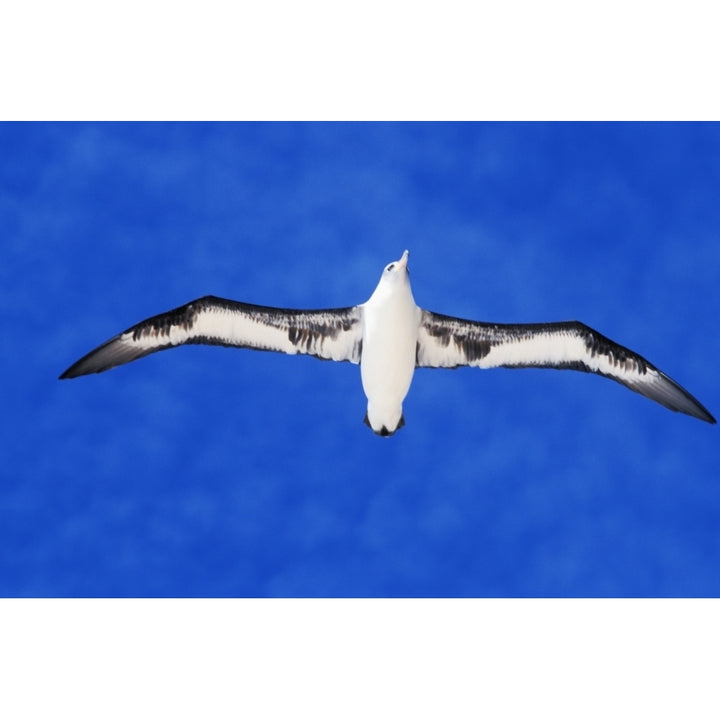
214, 472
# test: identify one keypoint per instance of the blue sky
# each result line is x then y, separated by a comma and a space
215, 472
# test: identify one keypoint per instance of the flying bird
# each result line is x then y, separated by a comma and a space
389, 336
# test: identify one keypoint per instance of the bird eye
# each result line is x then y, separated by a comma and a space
390, 267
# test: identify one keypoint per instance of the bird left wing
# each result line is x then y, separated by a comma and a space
449, 342
326, 334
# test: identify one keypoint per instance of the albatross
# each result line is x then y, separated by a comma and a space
389, 336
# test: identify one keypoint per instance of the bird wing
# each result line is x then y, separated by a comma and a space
325, 334
449, 342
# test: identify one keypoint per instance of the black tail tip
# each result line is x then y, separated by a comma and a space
383, 431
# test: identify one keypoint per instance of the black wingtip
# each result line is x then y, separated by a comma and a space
75, 370
677, 398
707, 417
80, 367
84, 366
72, 371
701, 413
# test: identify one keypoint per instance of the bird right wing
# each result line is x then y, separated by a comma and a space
326, 334
450, 342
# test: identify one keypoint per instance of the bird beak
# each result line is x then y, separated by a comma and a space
403, 261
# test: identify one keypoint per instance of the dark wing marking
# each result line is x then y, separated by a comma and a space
326, 334
450, 342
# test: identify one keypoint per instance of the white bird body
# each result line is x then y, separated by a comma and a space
389, 335
390, 330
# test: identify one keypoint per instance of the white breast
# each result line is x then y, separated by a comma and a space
390, 332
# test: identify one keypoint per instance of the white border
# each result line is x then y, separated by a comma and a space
354, 658
372, 60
